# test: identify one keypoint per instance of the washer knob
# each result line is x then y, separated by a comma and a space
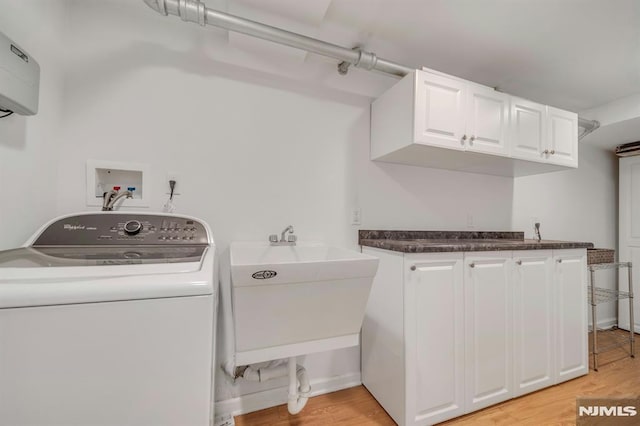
132, 227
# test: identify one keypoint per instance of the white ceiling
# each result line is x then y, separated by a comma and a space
574, 54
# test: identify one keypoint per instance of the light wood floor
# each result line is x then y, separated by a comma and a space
618, 375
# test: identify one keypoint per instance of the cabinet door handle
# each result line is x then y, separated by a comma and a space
464, 138
559, 260
553, 151
472, 138
518, 262
472, 265
546, 151
413, 267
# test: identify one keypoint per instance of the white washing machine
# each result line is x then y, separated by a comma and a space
108, 319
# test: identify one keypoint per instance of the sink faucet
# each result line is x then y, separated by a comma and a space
288, 228
111, 197
290, 241
537, 225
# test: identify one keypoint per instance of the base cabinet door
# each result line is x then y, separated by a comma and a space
434, 337
572, 353
488, 329
533, 320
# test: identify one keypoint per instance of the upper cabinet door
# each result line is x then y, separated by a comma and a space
440, 111
528, 130
563, 137
487, 121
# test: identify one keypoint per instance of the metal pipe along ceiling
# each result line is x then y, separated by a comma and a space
197, 12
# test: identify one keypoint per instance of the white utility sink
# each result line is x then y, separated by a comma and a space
300, 263
292, 300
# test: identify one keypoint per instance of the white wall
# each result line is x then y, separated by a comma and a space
254, 151
575, 205
28, 144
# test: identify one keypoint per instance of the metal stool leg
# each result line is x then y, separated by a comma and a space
631, 320
594, 322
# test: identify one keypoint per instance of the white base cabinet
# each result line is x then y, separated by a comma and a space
446, 334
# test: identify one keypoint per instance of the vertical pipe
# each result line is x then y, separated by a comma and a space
293, 379
299, 387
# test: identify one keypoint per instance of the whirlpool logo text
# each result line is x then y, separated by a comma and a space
264, 275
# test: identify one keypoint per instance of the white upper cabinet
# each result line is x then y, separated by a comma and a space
562, 137
487, 120
439, 111
528, 129
543, 133
434, 120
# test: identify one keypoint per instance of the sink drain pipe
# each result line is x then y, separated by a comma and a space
299, 387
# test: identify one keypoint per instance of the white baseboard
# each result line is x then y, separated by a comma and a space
273, 397
605, 323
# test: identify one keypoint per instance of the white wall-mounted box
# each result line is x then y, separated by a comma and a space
105, 175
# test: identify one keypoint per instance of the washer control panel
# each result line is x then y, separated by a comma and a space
123, 229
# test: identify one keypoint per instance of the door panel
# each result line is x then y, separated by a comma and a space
434, 326
528, 130
533, 321
563, 137
440, 109
488, 121
570, 269
488, 328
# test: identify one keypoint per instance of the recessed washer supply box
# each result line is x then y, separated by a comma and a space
19, 78
103, 176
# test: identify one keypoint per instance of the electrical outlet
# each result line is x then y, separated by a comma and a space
469, 221
356, 216
176, 177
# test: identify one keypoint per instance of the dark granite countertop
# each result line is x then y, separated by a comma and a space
455, 241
